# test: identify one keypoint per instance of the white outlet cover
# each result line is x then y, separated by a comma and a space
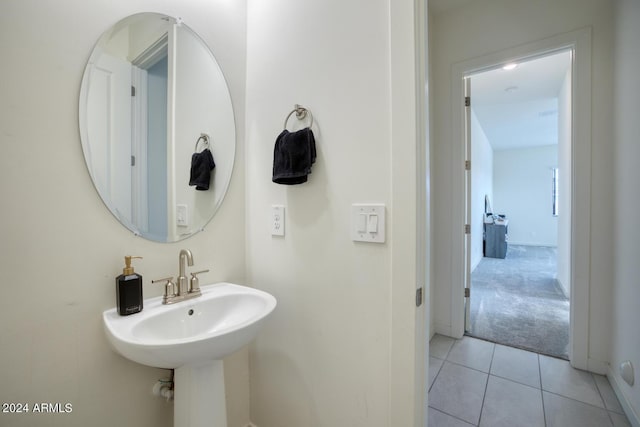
277, 220
182, 216
371, 211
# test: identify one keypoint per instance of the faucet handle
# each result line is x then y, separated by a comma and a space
169, 288
194, 282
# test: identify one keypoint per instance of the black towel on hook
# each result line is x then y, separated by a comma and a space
293, 155
201, 166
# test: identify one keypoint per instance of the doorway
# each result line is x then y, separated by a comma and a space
150, 124
579, 43
518, 132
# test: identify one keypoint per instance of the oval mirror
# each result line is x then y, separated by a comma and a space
153, 100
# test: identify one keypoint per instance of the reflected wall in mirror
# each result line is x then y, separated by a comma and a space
150, 90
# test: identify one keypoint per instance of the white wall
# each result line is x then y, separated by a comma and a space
522, 190
624, 211
480, 28
481, 186
62, 248
332, 354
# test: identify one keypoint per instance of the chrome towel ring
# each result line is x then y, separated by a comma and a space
205, 137
301, 114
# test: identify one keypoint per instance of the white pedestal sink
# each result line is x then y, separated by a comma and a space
192, 337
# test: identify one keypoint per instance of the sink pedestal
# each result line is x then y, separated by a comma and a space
199, 398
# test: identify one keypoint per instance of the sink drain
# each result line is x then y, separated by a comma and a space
191, 312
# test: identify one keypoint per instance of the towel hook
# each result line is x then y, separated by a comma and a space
301, 114
205, 137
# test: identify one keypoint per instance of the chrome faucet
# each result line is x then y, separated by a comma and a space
185, 255
184, 288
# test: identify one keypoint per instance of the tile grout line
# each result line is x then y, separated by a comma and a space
446, 360
441, 366
436, 377
602, 397
469, 367
576, 400
542, 390
486, 385
452, 416
514, 381
544, 411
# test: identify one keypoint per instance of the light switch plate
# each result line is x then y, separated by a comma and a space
373, 219
277, 220
182, 216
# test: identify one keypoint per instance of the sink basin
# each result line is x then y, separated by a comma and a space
224, 319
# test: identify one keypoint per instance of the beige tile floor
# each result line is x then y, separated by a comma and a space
478, 383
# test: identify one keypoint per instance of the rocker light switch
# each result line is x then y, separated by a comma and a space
372, 224
367, 223
361, 225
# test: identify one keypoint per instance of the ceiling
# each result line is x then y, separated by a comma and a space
519, 108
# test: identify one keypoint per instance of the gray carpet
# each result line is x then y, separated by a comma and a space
517, 301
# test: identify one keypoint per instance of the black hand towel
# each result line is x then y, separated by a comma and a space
293, 155
201, 166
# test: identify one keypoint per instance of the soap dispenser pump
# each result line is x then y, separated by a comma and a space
129, 289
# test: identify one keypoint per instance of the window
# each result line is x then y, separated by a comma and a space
554, 192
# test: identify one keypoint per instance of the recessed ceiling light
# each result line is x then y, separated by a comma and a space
510, 66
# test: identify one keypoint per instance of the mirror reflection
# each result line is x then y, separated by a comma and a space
153, 100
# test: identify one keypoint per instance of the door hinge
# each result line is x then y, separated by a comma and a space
133, 91
467, 292
467, 229
419, 297
467, 165
467, 101
133, 160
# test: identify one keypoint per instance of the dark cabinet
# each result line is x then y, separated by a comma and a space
495, 240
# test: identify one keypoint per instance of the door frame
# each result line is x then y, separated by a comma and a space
579, 42
409, 157
468, 182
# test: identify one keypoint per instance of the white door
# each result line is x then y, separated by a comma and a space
109, 130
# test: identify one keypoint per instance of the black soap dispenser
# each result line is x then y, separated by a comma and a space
129, 289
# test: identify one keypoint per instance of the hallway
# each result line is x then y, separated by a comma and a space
478, 383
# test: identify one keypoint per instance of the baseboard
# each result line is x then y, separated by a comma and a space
442, 329
597, 366
250, 425
476, 264
615, 382
542, 245
563, 289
